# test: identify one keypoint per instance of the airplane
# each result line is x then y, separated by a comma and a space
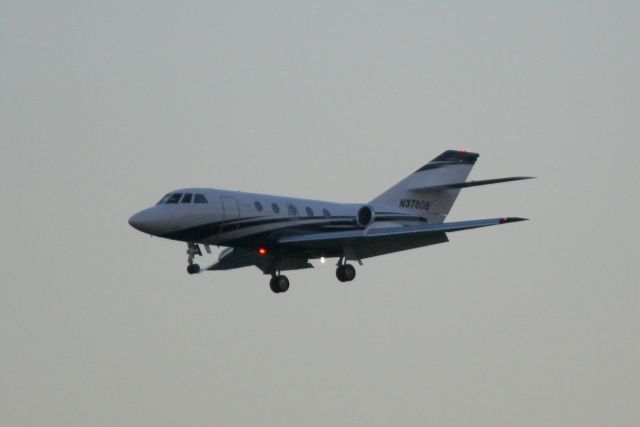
276, 234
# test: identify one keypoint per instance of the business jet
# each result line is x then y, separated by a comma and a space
277, 234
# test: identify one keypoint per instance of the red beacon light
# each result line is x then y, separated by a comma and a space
262, 251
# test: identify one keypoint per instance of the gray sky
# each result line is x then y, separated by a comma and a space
106, 106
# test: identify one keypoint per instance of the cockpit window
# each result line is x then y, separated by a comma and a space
164, 199
186, 198
174, 198
199, 198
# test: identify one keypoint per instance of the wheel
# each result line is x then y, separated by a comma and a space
283, 283
349, 272
193, 268
279, 284
346, 273
273, 284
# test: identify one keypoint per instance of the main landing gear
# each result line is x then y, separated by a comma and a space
345, 272
279, 283
192, 251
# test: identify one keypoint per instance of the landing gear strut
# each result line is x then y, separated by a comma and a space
193, 250
345, 272
279, 283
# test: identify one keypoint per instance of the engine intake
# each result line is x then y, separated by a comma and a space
366, 216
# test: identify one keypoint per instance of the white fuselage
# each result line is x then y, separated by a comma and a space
232, 218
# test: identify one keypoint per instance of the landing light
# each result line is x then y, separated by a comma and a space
262, 251
322, 260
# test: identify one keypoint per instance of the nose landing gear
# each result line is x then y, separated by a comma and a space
193, 250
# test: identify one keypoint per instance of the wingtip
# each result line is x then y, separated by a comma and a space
508, 219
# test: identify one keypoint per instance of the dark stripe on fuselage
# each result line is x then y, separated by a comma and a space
204, 231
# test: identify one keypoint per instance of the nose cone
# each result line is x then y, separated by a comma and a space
143, 221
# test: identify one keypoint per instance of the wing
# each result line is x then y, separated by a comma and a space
232, 258
359, 244
294, 252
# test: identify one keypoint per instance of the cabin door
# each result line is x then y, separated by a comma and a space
230, 214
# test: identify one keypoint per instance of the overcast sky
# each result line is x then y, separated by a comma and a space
106, 106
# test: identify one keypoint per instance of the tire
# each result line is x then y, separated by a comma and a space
348, 272
193, 269
340, 274
282, 283
273, 284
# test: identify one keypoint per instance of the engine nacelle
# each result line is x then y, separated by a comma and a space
366, 216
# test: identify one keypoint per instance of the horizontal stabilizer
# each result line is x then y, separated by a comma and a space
459, 185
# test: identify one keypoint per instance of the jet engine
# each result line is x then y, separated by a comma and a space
366, 216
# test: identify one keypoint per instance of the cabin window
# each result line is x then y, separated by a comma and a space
199, 198
174, 198
186, 198
292, 210
326, 213
275, 208
309, 211
258, 206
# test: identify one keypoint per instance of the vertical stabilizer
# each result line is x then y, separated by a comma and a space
413, 192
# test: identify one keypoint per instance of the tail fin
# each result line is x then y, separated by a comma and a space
413, 192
